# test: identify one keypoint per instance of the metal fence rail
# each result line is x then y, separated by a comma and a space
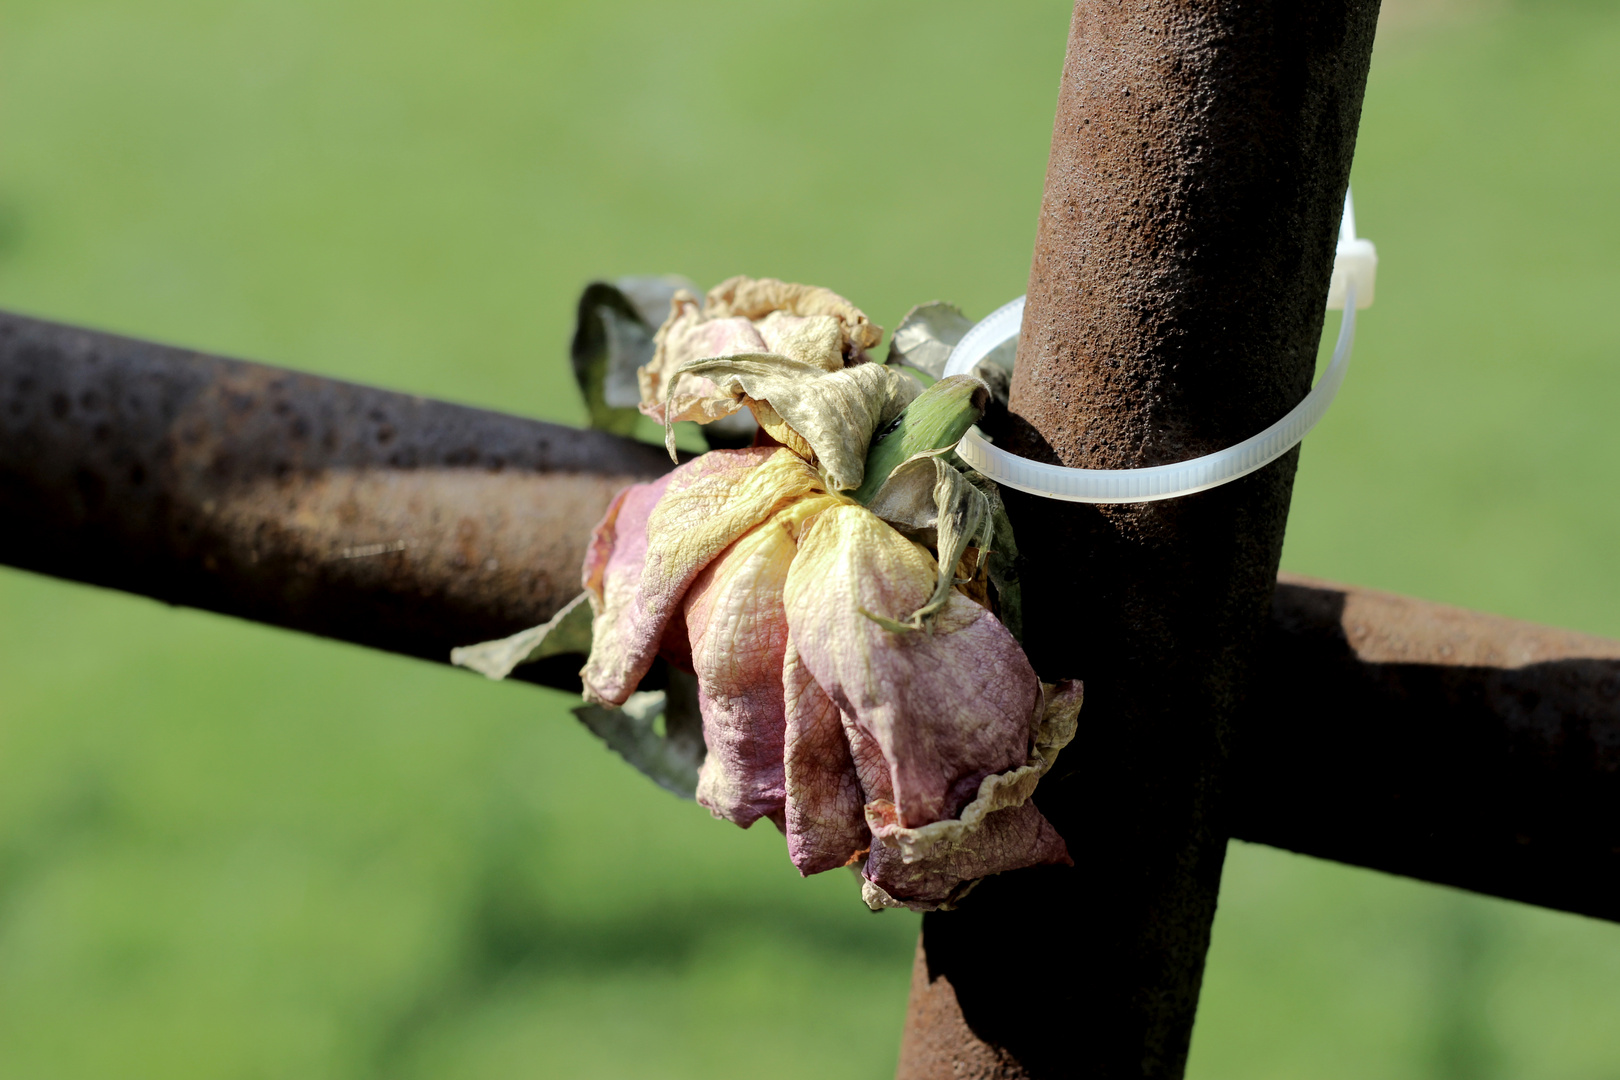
355, 513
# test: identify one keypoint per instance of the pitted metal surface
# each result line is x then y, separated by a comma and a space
343, 510
1200, 153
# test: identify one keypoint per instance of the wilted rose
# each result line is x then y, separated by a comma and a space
910, 752
854, 691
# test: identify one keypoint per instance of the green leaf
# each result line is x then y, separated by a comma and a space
568, 631
670, 759
925, 337
613, 336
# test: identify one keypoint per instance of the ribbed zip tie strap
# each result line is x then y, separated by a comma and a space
1354, 265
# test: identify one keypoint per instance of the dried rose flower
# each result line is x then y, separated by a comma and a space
853, 688
915, 750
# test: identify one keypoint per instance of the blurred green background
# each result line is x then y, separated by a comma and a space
228, 851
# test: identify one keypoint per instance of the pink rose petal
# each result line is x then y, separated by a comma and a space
738, 634
1008, 840
946, 707
826, 826
688, 336
707, 504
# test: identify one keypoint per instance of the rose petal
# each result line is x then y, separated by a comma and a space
877, 780
738, 634
931, 866
810, 339
755, 298
826, 827
746, 317
690, 335
946, 707
835, 413
616, 553
997, 792
1008, 840
707, 504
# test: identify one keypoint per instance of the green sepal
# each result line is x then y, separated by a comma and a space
1001, 560
936, 420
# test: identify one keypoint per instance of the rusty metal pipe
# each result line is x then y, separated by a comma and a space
1442, 744
1200, 154
354, 513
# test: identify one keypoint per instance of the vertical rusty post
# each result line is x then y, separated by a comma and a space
1199, 160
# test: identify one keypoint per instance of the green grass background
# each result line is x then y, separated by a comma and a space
228, 851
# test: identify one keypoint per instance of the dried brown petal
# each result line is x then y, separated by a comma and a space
754, 298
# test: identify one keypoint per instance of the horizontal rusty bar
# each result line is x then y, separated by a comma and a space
1385, 732
1438, 743
355, 513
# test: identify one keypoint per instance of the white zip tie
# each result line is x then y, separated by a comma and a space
1354, 266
